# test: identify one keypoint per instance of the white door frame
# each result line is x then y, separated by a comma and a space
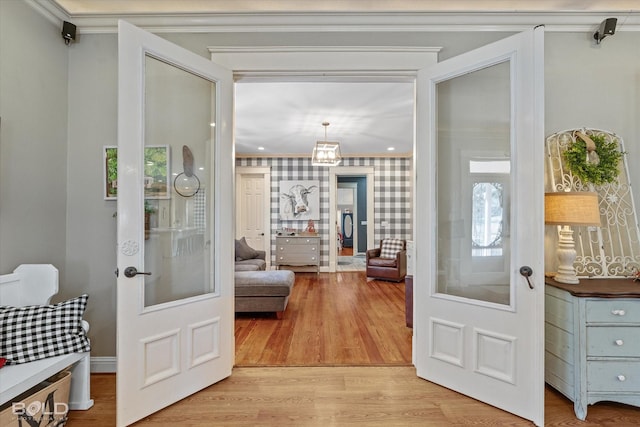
328, 63
334, 172
266, 174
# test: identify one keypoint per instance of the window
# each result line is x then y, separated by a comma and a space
488, 213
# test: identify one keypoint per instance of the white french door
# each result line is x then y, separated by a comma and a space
175, 283
479, 220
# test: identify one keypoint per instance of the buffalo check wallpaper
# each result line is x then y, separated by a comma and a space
392, 195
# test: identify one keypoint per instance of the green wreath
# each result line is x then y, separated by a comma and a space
595, 173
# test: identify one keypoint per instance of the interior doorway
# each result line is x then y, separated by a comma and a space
391, 65
361, 217
352, 222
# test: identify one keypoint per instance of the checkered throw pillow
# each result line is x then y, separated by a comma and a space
38, 331
390, 247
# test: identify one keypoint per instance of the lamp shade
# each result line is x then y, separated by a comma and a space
577, 208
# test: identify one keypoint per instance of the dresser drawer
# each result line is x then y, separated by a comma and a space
301, 259
298, 241
613, 311
296, 249
613, 376
614, 341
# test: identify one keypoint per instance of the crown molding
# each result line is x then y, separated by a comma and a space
50, 10
341, 21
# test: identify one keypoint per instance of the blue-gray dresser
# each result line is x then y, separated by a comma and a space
592, 341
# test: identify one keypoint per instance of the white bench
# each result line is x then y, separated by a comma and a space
35, 284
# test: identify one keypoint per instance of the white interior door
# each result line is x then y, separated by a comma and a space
174, 325
253, 200
480, 115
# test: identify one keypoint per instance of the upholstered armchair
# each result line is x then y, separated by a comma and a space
389, 261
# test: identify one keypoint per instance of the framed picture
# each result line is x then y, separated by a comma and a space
299, 200
156, 172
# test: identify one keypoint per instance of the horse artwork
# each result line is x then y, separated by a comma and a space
299, 200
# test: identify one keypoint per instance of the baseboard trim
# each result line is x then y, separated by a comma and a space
103, 365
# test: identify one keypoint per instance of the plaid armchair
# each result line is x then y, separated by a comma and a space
389, 261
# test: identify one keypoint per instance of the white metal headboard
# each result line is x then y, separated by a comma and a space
612, 250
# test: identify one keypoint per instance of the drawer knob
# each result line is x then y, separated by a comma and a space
618, 312
619, 342
621, 378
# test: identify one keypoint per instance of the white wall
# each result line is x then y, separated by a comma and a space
47, 216
33, 139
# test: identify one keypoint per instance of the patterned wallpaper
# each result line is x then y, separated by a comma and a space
392, 198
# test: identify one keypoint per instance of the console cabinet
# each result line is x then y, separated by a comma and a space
298, 251
592, 350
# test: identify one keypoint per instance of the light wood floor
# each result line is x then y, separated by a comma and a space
338, 396
338, 329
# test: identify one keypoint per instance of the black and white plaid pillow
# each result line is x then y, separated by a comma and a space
390, 247
38, 331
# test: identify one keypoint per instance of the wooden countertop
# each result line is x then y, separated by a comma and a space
602, 288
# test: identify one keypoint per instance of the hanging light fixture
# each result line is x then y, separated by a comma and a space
326, 153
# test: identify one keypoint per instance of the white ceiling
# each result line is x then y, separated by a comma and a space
366, 118
286, 118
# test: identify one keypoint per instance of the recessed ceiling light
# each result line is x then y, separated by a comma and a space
261, 148
391, 148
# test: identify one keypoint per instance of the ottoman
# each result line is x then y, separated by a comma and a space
263, 291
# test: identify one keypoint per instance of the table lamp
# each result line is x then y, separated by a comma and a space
570, 208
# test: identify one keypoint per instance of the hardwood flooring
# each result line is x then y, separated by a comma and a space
339, 396
331, 319
345, 252
293, 372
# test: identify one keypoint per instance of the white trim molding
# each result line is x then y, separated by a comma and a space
401, 20
100, 365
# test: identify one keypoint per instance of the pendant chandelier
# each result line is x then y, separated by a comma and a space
326, 153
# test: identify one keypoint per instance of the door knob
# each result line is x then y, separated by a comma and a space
527, 271
133, 272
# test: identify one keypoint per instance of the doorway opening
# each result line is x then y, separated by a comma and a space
391, 65
260, 337
351, 214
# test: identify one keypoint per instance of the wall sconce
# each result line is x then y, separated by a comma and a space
607, 28
575, 208
326, 153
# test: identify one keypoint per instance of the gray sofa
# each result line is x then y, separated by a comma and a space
263, 291
252, 264
257, 290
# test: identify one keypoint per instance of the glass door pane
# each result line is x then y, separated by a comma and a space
473, 176
178, 136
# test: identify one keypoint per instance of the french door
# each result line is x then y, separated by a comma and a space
479, 225
175, 247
